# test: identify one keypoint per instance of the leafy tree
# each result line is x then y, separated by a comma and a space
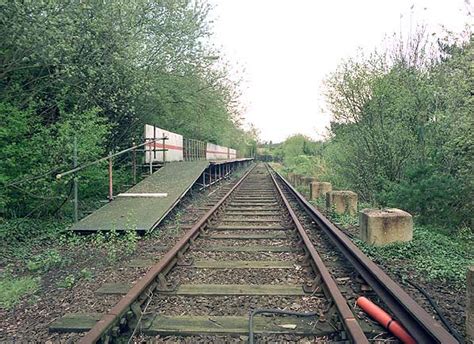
100, 70
402, 129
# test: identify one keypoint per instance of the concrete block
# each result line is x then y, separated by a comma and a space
306, 183
342, 202
470, 304
384, 226
298, 179
319, 189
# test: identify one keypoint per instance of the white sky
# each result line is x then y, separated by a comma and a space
286, 49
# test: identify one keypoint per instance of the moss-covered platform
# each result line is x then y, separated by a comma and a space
143, 213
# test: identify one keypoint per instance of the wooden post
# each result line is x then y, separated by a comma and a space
134, 164
111, 181
151, 161
76, 199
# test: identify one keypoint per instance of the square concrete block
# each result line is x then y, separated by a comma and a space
298, 179
342, 202
470, 304
384, 226
319, 189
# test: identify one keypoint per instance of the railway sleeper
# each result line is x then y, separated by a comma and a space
329, 322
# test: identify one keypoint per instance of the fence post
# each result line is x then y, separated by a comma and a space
75, 181
111, 181
164, 149
134, 164
195, 150
151, 159
154, 142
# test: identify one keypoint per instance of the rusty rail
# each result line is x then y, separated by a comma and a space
349, 322
109, 322
414, 318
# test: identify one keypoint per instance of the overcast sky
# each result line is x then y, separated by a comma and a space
286, 49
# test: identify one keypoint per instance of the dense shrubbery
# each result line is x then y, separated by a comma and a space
404, 122
99, 71
402, 132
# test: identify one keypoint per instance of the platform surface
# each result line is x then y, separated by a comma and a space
226, 161
144, 213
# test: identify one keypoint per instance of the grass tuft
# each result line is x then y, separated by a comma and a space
13, 289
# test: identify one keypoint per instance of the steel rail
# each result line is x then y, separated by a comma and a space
349, 321
422, 327
144, 284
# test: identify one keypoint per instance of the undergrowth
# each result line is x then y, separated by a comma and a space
30, 248
13, 289
19, 237
45, 261
432, 254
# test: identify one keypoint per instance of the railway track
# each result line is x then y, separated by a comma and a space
263, 265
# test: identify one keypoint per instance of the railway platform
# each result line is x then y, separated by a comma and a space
146, 204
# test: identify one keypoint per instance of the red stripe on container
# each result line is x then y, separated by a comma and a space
160, 146
215, 152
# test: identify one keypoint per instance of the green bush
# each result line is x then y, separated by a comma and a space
68, 70
401, 133
435, 196
45, 261
13, 289
19, 236
68, 282
32, 153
